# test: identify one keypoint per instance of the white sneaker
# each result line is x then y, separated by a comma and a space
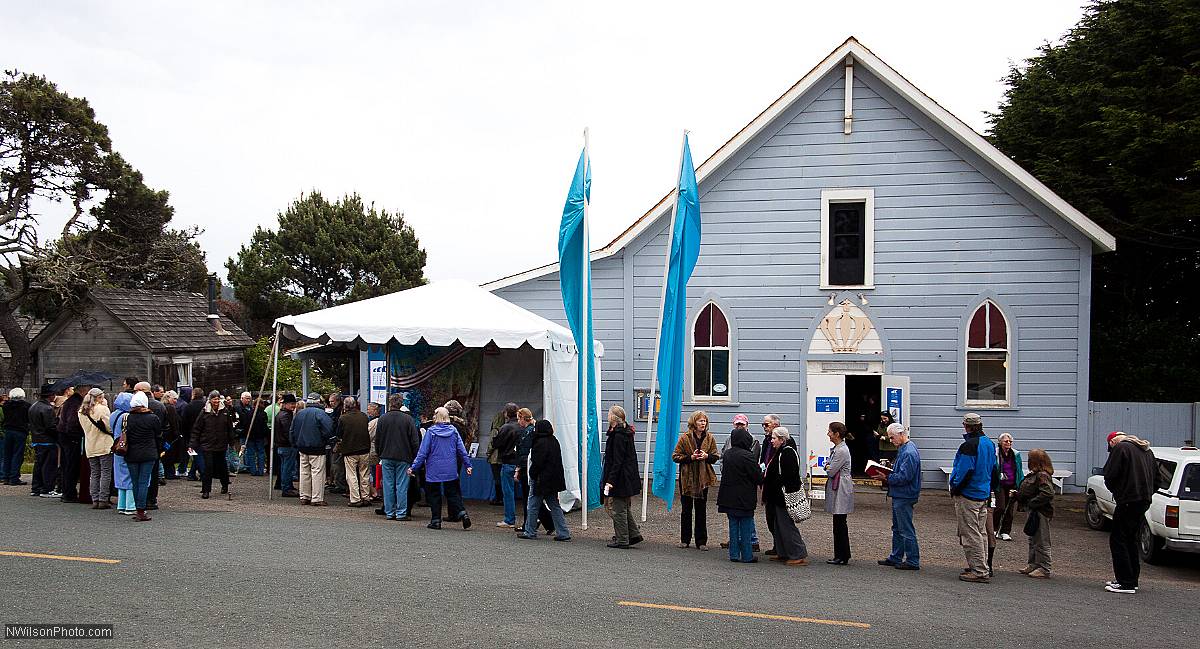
506, 525
52, 494
1118, 588
1005, 537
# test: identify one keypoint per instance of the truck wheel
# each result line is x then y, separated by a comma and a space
1150, 546
1092, 515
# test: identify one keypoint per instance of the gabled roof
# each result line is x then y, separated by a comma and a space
32, 327
165, 320
1102, 240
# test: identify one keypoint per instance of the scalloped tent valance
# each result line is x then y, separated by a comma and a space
440, 313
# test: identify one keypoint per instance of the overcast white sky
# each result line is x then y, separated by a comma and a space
468, 116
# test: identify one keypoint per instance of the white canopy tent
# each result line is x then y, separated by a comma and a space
446, 312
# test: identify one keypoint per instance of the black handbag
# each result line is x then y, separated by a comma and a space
1032, 523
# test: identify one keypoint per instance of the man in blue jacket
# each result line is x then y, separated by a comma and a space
904, 487
971, 487
312, 433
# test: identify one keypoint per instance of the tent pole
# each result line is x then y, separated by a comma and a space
584, 356
658, 336
274, 390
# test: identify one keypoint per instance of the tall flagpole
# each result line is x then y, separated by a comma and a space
274, 391
584, 358
658, 333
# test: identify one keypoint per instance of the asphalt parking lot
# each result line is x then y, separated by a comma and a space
247, 572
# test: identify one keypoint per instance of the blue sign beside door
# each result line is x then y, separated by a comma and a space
828, 404
895, 404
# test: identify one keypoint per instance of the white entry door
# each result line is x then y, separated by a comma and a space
895, 397
826, 403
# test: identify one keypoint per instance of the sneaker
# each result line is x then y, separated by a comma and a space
505, 525
52, 494
974, 578
1038, 573
1118, 588
1005, 537
466, 521
318, 503
527, 537
683, 545
34, 494
702, 548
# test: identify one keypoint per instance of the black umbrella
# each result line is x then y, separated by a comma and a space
83, 377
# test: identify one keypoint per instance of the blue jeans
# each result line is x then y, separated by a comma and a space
741, 530
289, 467
904, 535
140, 474
256, 456
508, 487
13, 454
395, 488
556, 513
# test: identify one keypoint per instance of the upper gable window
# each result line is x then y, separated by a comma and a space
988, 355
710, 354
847, 238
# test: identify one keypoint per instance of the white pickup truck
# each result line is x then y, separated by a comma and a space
1173, 520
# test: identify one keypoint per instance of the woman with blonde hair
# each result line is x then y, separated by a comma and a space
620, 479
1036, 494
695, 453
97, 445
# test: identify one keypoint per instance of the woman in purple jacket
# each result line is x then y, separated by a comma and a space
441, 450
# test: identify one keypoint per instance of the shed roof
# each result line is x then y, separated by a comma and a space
169, 320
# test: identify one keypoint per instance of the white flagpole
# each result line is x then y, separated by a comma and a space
274, 391
658, 334
584, 358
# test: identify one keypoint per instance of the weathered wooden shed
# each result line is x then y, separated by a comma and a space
166, 337
863, 250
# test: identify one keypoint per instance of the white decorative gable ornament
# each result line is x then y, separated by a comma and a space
846, 330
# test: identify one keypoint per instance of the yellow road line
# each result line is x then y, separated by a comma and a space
60, 557
761, 616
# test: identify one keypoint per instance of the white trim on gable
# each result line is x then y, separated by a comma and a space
857, 52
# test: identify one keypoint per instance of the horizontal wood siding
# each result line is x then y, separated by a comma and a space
104, 345
543, 297
948, 229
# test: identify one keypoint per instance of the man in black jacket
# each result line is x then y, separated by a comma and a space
396, 443
289, 457
1129, 474
44, 439
355, 449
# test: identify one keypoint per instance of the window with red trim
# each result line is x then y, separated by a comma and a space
988, 355
710, 354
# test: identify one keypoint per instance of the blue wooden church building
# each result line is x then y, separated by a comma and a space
863, 250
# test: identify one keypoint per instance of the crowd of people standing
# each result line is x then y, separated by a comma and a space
89, 449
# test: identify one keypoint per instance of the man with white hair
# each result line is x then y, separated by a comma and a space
904, 487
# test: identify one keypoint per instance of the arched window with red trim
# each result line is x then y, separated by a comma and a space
988, 355
710, 354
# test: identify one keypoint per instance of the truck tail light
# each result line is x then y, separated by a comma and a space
1173, 516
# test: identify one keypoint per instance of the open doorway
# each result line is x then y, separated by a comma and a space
862, 415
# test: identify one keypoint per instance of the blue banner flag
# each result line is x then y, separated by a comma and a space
684, 250
575, 281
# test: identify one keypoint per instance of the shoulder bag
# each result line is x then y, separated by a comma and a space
798, 506
121, 446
